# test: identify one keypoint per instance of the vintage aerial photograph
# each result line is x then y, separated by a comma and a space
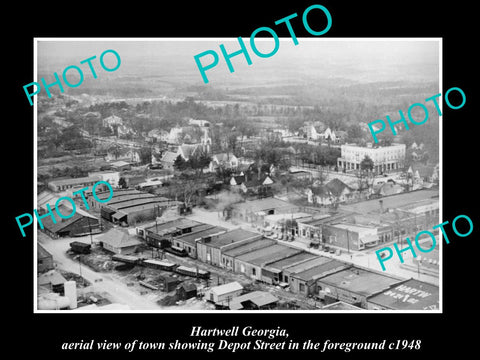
263, 189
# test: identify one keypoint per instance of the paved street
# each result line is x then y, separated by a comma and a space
118, 291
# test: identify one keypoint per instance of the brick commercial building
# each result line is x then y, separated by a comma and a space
210, 249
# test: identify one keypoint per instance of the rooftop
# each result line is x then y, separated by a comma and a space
118, 238
119, 163
127, 197
200, 232
74, 181
307, 264
263, 205
273, 253
47, 197
62, 223
169, 157
409, 295
281, 217
318, 219
259, 298
360, 281
51, 277
292, 260
41, 252
274, 256
226, 288
340, 305
320, 270
392, 201
173, 226
117, 193
230, 237
246, 248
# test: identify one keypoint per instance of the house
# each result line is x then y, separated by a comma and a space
335, 191
222, 295
237, 180
329, 135
44, 259
257, 185
174, 135
118, 242
314, 132
186, 151
320, 195
255, 300
223, 160
340, 190
186, 291
388, 188
158, 135
168, 160
123, 130
117, 153
111, 121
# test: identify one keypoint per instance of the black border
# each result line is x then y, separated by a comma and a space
454, 22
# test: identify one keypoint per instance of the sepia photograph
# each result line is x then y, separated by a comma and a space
305, 180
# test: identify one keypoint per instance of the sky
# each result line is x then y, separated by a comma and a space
358, 59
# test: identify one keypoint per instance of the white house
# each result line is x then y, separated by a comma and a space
173, 136
330, 134
158, 134
112, 120
228, 161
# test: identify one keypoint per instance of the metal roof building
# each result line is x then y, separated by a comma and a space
354, 285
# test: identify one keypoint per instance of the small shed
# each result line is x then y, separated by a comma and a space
223, 294
186, 291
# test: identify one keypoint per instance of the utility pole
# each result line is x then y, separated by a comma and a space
348, 242
90, 229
